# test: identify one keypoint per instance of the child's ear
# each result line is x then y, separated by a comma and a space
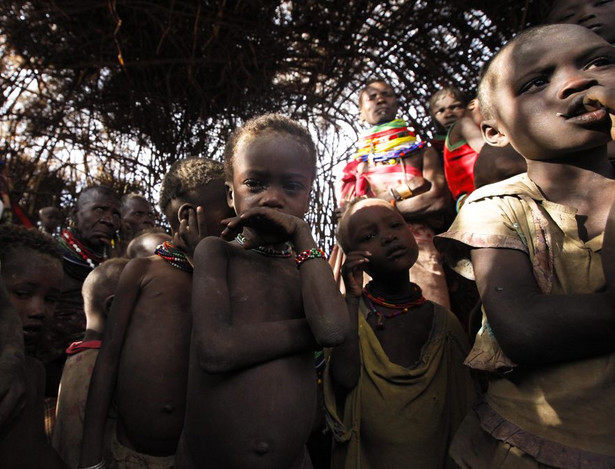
492, 135
228, 186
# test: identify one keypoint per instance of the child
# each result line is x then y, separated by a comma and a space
146, 243
32, 274
98, 292
464, 141
397, 389
143, 361
533, 243
259, 314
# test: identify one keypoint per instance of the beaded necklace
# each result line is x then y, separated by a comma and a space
286, 251
388, 141
174, 256
415, 300
77, 249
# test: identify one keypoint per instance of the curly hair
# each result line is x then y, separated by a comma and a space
14, 237
258, 126
186, 175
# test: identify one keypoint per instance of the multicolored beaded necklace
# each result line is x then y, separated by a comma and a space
387, 143
416, 299
286, 251
78, 251
174, 256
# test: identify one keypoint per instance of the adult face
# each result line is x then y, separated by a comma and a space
97, 218
378, 103
137, 215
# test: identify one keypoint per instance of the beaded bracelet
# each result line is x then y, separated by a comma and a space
313, 253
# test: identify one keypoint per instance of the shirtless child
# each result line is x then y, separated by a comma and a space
143, 362
396, 390
31, 278
542, 259
98, 291
257, 316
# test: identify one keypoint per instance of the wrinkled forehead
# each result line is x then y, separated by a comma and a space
97, 197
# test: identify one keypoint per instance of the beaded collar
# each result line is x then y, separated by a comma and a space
415, 299
389, 141
174, 256
286, 251
78, 251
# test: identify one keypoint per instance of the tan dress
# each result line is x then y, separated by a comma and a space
399, 417
560, 415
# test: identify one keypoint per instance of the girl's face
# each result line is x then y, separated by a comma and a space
381, 230
271, 170
33, 281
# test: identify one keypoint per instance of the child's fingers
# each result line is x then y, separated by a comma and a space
600, 97
201, 222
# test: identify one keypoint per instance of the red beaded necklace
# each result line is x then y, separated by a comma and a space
398, 308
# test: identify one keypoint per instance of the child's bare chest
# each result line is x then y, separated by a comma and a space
269, 289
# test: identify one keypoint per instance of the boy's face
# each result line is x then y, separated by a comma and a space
97, 218
381, 230
448, 110
597, 15
537, 96
33, 281
271, 170
137, 215
211, 197
378, 103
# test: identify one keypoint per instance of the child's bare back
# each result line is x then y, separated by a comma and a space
152, 374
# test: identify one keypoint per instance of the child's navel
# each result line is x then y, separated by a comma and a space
261, 447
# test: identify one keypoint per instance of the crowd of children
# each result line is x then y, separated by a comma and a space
202, 348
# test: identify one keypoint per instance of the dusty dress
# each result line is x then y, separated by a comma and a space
560, 415
399, 417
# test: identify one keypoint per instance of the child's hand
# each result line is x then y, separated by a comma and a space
352, 271
598, 97
192, 228
268, 226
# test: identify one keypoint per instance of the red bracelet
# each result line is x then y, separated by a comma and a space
313, 253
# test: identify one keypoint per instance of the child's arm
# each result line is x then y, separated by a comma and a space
471, 133
533, 328
104, 377
323, 303
222, 344
436, 199
345, 359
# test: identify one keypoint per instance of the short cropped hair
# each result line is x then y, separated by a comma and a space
186, 175
14, 237
130, 196
100, 189
267, 123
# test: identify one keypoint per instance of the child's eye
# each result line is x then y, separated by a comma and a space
22, 294
599, 62
602, 2
293, 186
366, 237
253, 184
397, 225
533, 84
